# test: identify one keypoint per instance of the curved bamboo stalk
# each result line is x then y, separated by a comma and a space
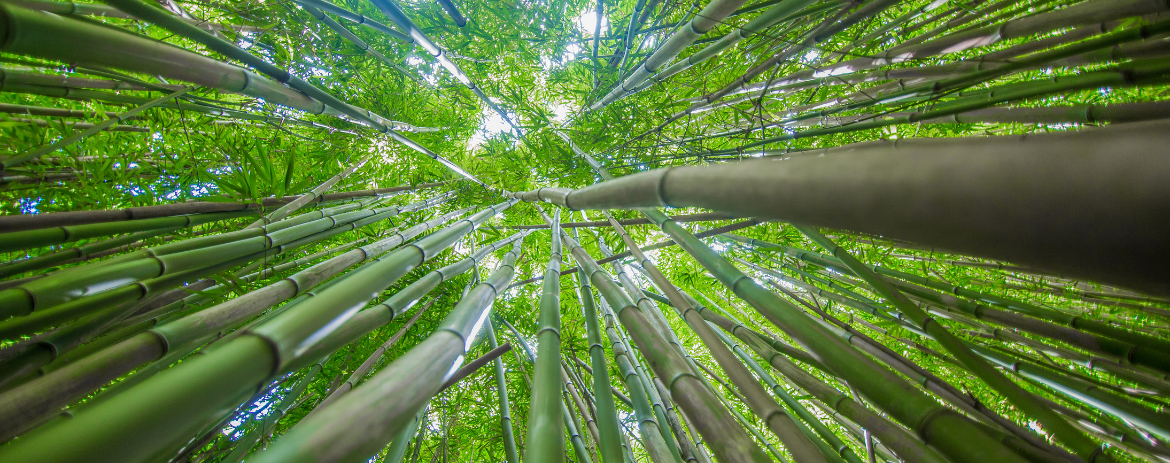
412, 379
230, 372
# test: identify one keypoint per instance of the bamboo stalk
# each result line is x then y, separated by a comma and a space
546, 441
227, 374
704, 20
13, 223
777, 420
453, 12
15, 241
604, 223
253, 436
1037, 177
609, 430
412, 379
727, 440
283, 211
510, 453
357, 18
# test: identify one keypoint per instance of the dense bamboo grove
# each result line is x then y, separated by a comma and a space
601, 231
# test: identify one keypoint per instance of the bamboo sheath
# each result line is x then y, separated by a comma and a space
228, 374
13, 223
546, 439
781, 424
727, 440
387, 400
1039, 175
64, 385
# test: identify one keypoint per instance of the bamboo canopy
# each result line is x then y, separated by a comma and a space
808, 231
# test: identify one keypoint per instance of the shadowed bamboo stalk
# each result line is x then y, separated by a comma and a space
364, 369
1040, 175
453, 12
64, 295
357, 18
261, 429
609, 430
12, 223
604, 223
283, 211
956, 436
29, 402
25, 157
387, 400
511, 455
15, 241
546, 441
777, 420
229, 373
727, 440
703, 21
1130, 347
650, 432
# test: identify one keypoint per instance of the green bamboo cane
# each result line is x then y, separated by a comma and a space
245, 444
54, 37
705, 20
609, 442
510, 453
778, 421
47, 301
15, 241
357, 18
401, 444
453, 12
227, 374
399, 390
395, 13
283, 211
1081, 390
25, 157
354, 39
58, 219
43, 396
362, 370
1131, 347
652, 438
582, 407
84, 251
1080, 444
961, 439
743, 420
546, 441
781, 12
928, 380
579, 447
668, 427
